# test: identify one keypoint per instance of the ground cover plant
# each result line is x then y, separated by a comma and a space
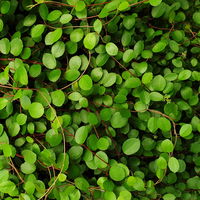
99, 100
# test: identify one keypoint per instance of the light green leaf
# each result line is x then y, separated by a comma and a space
173, 164
49, 60
85, 83
167, 146
111, 49
16, 46
90, 41
81, 134
53, 36
131, 146
36, 110
185, 130
37, 30
155, 2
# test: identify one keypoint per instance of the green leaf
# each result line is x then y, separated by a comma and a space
184, 75
136, 182
71, 74
1, 25
58, 97
49, 60
161, 163
123, 6
111, 49
4, 175
7, 150
167, 146
155, 2
75, 62
65, 18
129, 21
54, 15
36, 110
85, 83
90, 41
173, 164
81, 134
196, 17
164, 124
5, 7
80, 5
81, 183
159, 46
158, 83
58, 49
29, 20
27, 168
21, 75
76, 35
4, 46
97, 26
117, 173
101, 159
29, 156
169, 196
152, 124
37, 30
16, 46
185, 130
3, 103
53, 36
7, 187
21, 119
131, 146
53, 137
118, 121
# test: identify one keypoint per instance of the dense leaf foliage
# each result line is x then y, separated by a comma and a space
99, 100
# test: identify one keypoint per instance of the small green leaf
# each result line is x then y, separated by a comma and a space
117, 173
29, 156
123, 6
76, 35
85, 83
65, 18
81, 134
101, 159
118, 121
53, 137
155, 2
196, 17
49, 60
4, 46
90, 41
131, 146
136, 182
16, 46
169, 196
37, 30
167, 146
173, 164
111, 49
184, 75
185, 130
3, 103
97, 25
7, 187
58, 97
159, 46
81, 183
53, 36
36, 110
27, 168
